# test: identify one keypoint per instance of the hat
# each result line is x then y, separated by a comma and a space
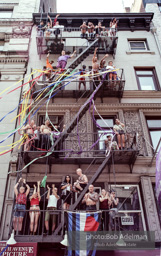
109, 135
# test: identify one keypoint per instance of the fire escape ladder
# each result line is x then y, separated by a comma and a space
92, 180
83, 55
77, 117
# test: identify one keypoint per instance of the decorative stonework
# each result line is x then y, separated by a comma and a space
21, 31
150, 207
133, 125
81, 128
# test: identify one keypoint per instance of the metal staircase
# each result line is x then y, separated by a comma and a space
84, 54
92, 180
77, 117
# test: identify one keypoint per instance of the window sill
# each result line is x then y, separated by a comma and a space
139, 52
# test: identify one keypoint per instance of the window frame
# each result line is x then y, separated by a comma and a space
152, 129
144, 40
154, 77
96, 134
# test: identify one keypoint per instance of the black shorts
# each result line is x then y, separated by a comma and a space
67, 198
121, 132
82, 186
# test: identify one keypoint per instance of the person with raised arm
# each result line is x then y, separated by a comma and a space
20, 206
35, 209
52, 205
62, 60
48, 27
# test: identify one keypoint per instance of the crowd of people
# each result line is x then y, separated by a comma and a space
45, 135
40, 136
87, 30
91, 31
105, 201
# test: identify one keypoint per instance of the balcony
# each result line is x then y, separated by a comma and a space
128, 216
70, 37
70, 88
70, 151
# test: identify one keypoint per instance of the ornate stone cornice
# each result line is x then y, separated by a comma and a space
15, 22
102, 107
10, 59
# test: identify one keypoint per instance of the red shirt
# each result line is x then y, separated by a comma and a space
34, 201
21, 198
82, 73
104, 205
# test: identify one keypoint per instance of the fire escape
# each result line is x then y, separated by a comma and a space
118, 157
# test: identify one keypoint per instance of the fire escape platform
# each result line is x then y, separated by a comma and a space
117, 157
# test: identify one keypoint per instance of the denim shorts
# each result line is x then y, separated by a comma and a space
19, 210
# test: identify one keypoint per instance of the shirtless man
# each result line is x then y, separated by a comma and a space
29, 130
83, 28
82, 180
90, 199
45, 131
95, 64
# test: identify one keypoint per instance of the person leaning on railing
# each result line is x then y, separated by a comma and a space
34, 206
20, 206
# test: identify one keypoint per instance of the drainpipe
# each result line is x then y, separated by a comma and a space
153, 30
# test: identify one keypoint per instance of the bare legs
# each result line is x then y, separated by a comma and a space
66, 206
34, 217
17, 223
121, 140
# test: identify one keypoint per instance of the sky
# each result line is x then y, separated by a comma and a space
92, 6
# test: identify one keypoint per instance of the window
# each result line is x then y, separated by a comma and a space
138, 45
6, 13
106, 126
154, 126
147, 79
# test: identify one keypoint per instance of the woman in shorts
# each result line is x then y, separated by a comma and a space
119, 129
35, 209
